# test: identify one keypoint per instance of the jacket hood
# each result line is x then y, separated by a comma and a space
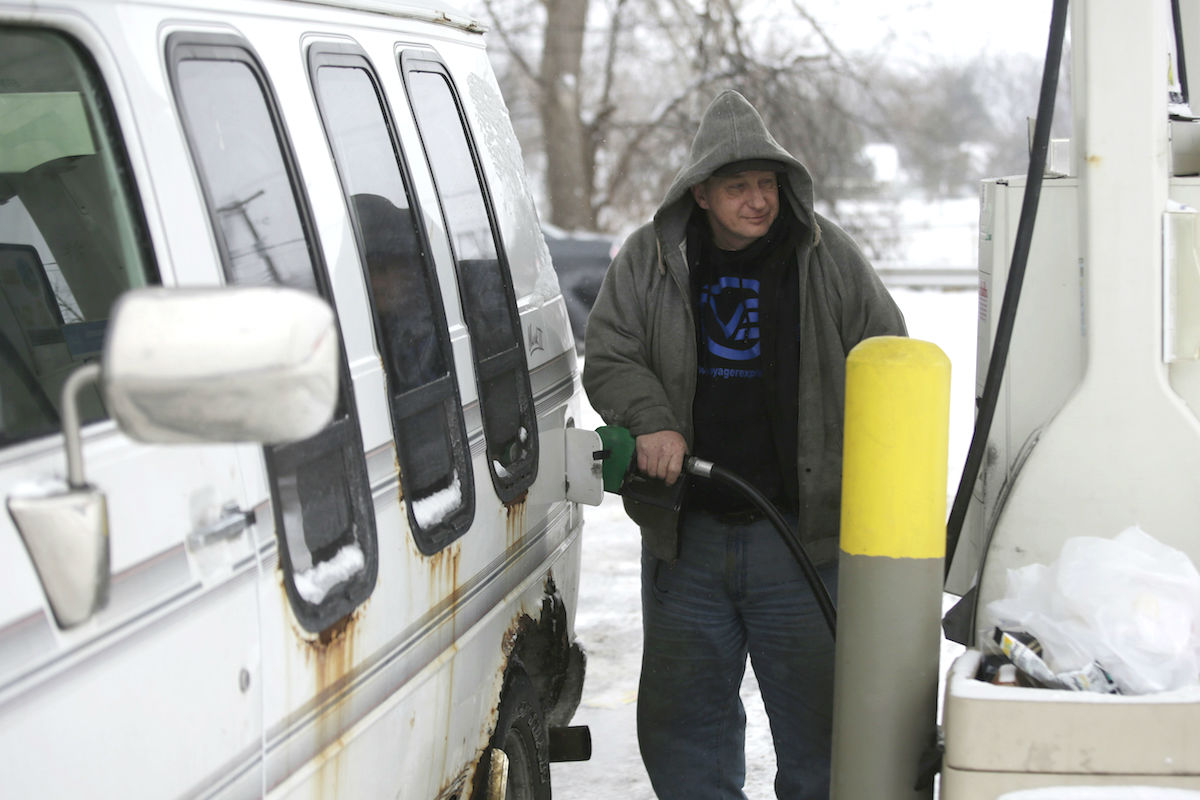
731, 130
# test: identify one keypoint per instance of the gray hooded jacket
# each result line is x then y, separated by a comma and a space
640, 365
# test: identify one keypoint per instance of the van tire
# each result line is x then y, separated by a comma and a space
522, 734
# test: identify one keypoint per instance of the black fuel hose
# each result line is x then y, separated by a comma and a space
706, 469
988, 401
1180, 58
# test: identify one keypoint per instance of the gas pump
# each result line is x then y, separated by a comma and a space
1098, 412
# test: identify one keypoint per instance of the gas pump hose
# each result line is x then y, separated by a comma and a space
706, 469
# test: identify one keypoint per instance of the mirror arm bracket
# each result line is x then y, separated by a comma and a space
76, 382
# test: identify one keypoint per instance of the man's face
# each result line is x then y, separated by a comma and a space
741, 208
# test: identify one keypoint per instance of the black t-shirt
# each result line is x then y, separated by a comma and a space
737, 296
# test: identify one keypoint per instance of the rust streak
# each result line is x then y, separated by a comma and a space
331, 656
515, 520
443, 571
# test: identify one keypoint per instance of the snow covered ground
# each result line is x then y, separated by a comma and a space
608, 621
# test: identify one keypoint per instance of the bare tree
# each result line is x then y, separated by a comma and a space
617, 87
567, 150
955, 123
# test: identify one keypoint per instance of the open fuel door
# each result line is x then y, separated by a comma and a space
584, 465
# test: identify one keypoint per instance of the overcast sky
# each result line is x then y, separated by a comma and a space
953, 28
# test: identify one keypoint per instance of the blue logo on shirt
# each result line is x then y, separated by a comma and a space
729, 309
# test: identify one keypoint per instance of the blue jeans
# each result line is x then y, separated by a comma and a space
734, 590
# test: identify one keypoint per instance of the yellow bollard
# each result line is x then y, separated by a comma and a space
893, 542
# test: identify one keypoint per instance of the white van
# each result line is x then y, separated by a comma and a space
257, 579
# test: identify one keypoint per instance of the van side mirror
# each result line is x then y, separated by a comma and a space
65, 530
237, 364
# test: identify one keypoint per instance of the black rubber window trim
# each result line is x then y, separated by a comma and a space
440, 392
344, 432
512, 483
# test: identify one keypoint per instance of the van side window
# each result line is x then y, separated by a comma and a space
71, 236
502, 375
260, 218
410, 322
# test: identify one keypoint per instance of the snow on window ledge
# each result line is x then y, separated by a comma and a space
314, 584
434, 508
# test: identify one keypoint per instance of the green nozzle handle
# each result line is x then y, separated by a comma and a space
620, 444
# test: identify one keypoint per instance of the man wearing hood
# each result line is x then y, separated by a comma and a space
722, 329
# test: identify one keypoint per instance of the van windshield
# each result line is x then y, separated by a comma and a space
69, 242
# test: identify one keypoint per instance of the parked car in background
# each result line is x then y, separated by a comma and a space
580, 259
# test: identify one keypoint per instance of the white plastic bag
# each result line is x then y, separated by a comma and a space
1130, 603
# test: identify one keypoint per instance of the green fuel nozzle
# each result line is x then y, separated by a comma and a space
621, 475
618, 453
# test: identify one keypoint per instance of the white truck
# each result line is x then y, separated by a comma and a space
271, 276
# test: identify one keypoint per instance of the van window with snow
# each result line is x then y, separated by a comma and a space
324, 516
509, 418
410, 322
71, 238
